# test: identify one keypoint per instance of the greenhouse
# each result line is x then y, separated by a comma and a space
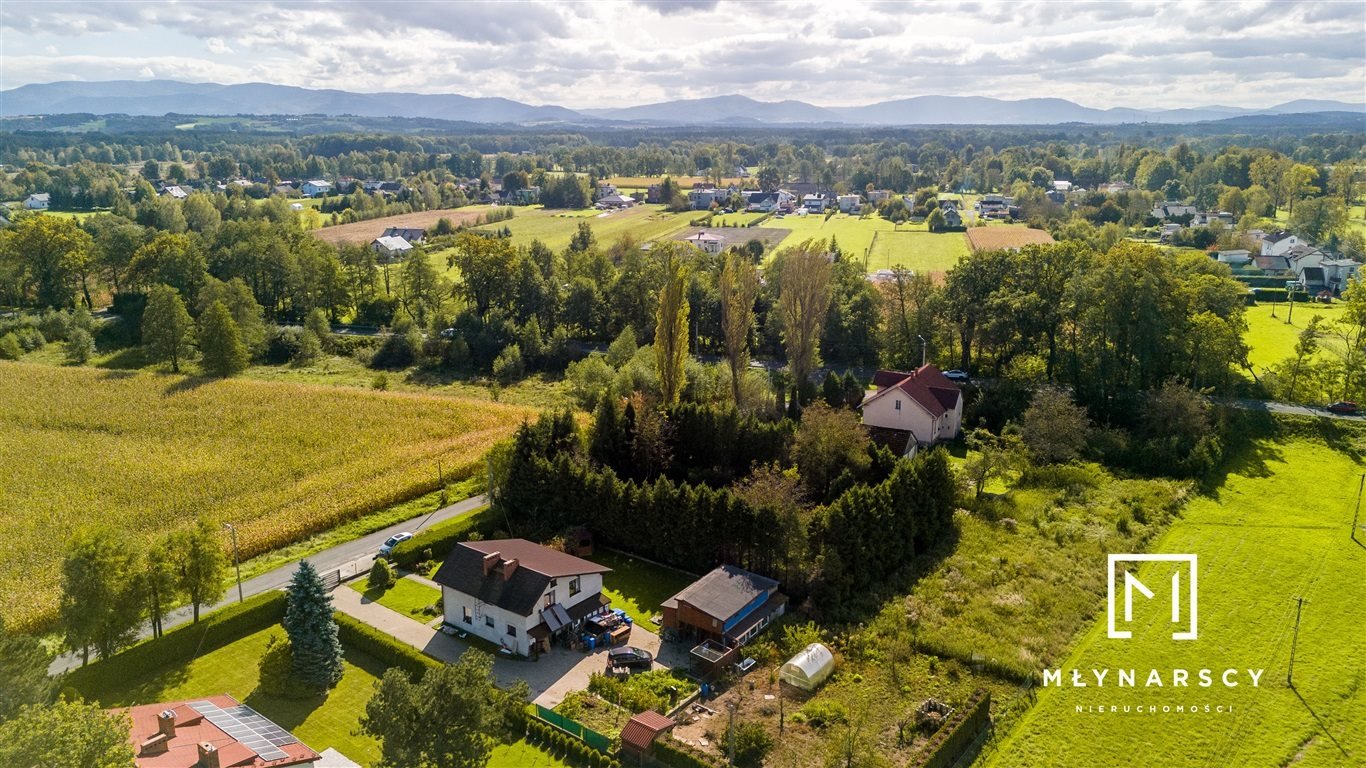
809, 668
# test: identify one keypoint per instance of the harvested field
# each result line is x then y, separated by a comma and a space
365, 231
996, 238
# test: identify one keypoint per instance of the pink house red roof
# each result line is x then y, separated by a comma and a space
927, 386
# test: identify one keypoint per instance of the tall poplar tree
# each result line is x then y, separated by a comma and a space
671, 320
739, 289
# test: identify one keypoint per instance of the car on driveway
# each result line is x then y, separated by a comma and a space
629, 656
1343, 406
956, 376
387, 547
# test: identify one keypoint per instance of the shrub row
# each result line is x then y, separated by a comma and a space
441, 538
955, 736
675, 754
183, 643
366, 639
572, 750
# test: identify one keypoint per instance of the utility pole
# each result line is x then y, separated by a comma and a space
1300, 601
922, 350
730, 733
1290, 286
1357, 514
236, 561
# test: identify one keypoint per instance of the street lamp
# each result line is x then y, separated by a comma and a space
236, 561
922, 350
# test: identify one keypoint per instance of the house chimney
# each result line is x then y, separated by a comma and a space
508, 567
208, 756
166, 723
490, 560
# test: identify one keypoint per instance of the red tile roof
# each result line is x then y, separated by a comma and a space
926, 386
192, 729
642, 730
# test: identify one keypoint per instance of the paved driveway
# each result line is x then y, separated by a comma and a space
551, 677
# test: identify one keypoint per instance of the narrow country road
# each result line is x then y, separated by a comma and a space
1298, 410
326, 560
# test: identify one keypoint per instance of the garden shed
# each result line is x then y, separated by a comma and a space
809, 668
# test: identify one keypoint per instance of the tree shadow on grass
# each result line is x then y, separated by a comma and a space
129, 359
1251, 459
187, 384
110, 683
288, 713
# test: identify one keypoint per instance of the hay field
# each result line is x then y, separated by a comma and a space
365, 231
149, 453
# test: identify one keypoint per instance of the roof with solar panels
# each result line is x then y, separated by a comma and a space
213, 732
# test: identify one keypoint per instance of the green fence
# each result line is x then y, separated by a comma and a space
576, 729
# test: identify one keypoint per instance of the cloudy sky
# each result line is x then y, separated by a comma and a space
604, 53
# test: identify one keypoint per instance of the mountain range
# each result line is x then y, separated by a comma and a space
160, 97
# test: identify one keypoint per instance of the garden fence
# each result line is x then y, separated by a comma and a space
576, 729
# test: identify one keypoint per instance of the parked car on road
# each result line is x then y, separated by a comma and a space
956, 376
1343, 406
387, 547
629, 656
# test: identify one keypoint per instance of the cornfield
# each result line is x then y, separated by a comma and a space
150, 453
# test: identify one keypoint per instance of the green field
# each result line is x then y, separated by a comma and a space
556, 227
1275, 529
921, 252
406, 596
1270, 339
639, 587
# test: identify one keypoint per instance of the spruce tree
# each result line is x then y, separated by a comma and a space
312, 630
220, 341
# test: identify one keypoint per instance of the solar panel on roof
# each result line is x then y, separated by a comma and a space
248, 727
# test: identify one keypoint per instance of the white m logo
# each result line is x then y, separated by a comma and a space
1132, 584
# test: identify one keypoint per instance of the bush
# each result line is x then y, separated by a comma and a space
367, 639
381, 575
55, 326
10, 348
749, 743
310, 348
80, 346
283, 345
380, 382
398, 351
509, 366
821, 713
276, 670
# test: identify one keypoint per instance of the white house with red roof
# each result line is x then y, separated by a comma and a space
922, 403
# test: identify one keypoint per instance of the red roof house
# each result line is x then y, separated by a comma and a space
922, 403
214, 732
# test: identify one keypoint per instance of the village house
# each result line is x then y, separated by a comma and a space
390, 247
213, 732
815, 203
411, 234
1306, 262
923, 403
1278, 243
654, 194
174, 192
1236, 257
876, 196
701, 198
38, 201
728, 606
1338, 273
518, 594
615, 201
606, 189
767, 202
850, 203
706, 242
1171, 210
316, 188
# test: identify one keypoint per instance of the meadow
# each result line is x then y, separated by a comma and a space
1274, 529
150, 453
1271, 340
555, 227
920, 252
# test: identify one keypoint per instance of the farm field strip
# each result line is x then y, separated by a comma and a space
150, 453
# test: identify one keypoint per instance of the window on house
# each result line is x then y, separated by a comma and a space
465, 614
898, 405
574, 587
512, 631
488, 621
550, 599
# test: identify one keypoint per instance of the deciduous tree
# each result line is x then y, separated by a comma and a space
739, 287
802, 275
101, 606
220, 342
166, 327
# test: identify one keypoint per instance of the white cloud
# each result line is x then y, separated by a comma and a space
615, 52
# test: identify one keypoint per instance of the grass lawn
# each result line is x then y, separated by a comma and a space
556, 227
1270, 340
639, 587
921, 252
319, 722
854, 235
406, 596
152, 452
523, 755
1273, 530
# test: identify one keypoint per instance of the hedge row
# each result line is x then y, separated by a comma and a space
183, 643
675, 754
955, 736
366, 639
571, 750
1277, 294
441, 538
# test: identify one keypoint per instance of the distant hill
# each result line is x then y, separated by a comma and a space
161, 97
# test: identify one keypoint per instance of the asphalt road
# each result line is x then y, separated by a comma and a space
1298, 410
326, 560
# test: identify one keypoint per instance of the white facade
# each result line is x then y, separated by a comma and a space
707, 243
37, 201
510, 630
1279, 247
898, 410
315, 188
850, 203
